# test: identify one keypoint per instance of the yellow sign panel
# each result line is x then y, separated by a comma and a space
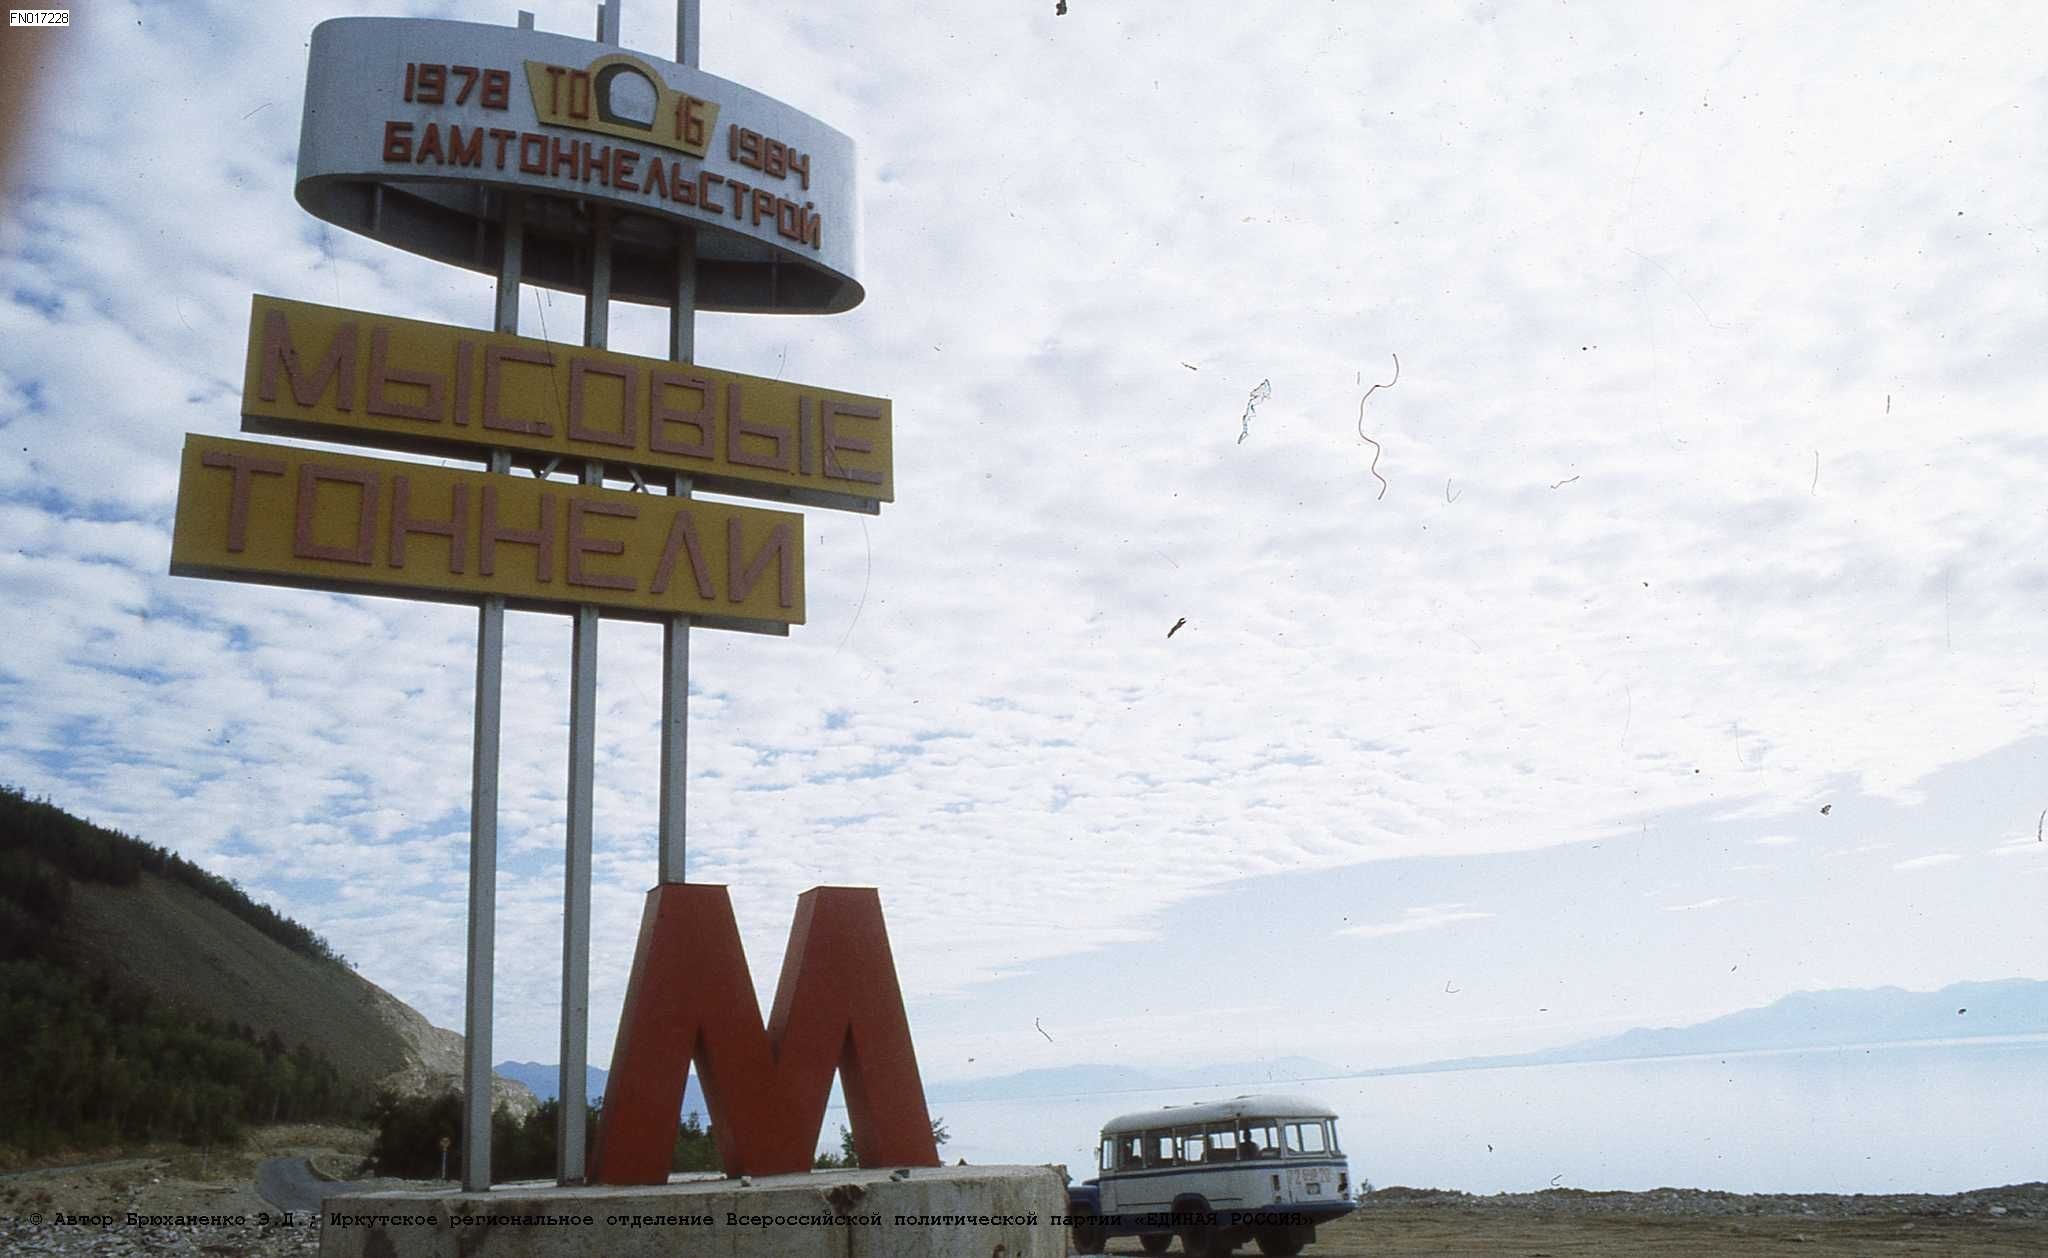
400, 384
589, 99
279, 515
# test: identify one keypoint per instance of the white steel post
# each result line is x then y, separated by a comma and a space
570, 1117
687, 27
675, 632
483, 793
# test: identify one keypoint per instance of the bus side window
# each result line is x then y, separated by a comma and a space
1161, 1143
1133, 1153
1191, 1148
1222, 1144
1107, 1156
1259, 1140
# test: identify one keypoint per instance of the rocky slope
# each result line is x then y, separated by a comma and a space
160, 940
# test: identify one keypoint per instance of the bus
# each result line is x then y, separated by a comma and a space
1265, 1169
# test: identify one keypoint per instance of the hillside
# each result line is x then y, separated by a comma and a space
142, 996
192, 955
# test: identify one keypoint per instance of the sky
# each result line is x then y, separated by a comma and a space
1509, 695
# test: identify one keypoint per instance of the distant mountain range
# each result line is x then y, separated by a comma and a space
2013, 1006
1094, 1080
1824, 1019
545, 1079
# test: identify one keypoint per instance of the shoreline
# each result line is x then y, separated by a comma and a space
2021, 1201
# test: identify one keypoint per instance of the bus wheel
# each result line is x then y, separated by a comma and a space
1156, 1242
1090, 1237
1198, 1241
1282, 1242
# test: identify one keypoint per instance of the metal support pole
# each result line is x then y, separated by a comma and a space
572, 1085
675, 631
687, 27
483, 795
582, 772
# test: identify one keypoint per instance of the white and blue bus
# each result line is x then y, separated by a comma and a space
1258, 1168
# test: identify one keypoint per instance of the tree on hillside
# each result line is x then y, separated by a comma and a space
86, 1066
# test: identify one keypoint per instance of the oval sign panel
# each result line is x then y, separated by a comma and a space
417, 132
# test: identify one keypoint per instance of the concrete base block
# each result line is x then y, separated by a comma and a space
938, 1212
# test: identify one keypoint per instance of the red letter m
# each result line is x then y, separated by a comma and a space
691, 1000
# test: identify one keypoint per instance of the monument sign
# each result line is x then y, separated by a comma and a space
577, 165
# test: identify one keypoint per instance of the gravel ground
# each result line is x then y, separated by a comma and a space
122, 1240
171, 1200
87, 1211
2010, 1222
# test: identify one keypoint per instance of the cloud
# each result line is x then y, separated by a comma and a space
1764, 585
1929, 861
1697, 905
1428, 917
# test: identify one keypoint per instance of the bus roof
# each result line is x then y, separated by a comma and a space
1262, 1105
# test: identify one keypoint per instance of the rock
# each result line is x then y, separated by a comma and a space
434, 1059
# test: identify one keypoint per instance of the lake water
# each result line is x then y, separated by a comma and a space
1931, 1117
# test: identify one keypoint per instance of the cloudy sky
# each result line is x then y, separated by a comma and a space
1709, 495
